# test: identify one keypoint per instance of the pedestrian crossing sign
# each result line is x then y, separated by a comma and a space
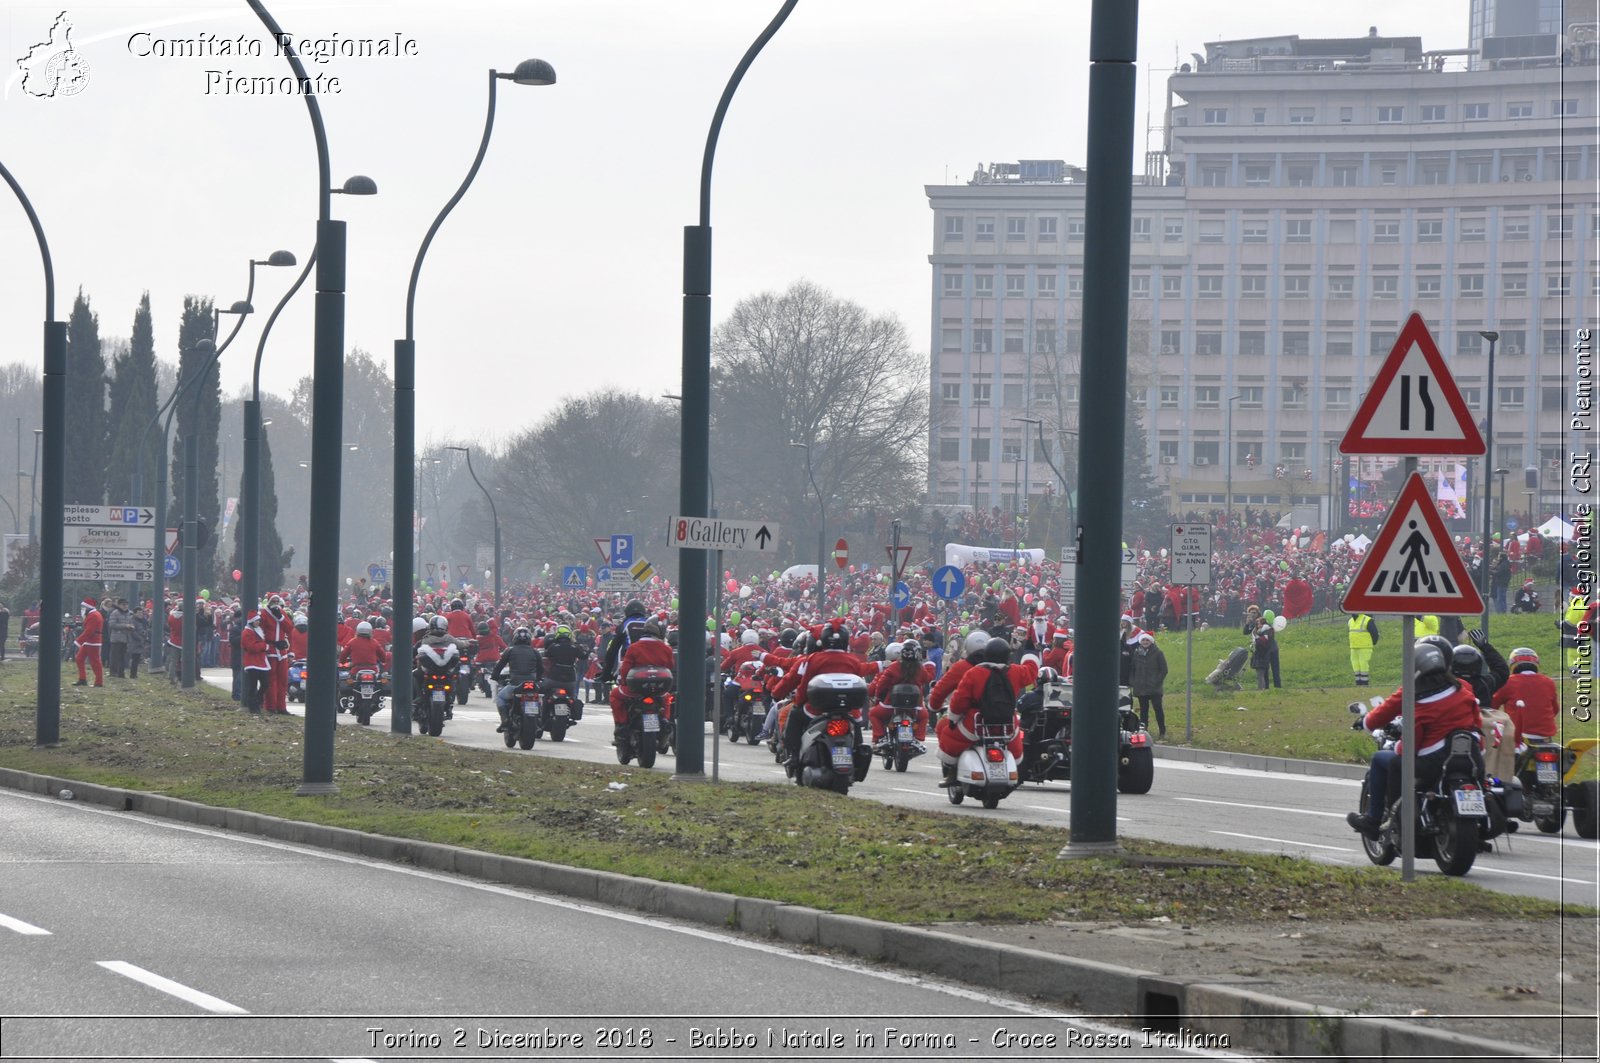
1412, 566
574, 577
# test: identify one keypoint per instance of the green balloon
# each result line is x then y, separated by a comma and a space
1269, 616
206, 594
733, 617
711, 624
674, 604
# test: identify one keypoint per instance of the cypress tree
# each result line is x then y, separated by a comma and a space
200, 412
86, 407
133, 405
1144, 504
273, 557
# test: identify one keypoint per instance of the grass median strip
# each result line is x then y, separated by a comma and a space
772, 841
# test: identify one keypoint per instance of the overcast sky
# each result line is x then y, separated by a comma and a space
560, 271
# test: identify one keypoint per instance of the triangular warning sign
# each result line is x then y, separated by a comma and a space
1414, 406
1413, 567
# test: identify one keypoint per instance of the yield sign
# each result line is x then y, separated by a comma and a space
1413, 567
898, 556
1414, 406
603, 544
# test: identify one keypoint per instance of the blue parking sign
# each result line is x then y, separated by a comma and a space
621, 551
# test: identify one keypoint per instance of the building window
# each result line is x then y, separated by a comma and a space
1209, 287
1213, 176
985, 228
1389, 174
1391, 114
1208, 343
1343, 287
1563, 108
1044, 339
1074, 228
1141, 228
1214, 116
1139, 286
1512, 398
1046, 283
1430, 231
1010, 450
1172, 230
1386, 287
1468, 343
1346, 176
1258, 174
1253, 343
1012, 338
1172, 285
1016, 285
1558, 226
983, 285
1435, 173
1047, 229
1211, 231
1302, 115
1251, 286
1016, 228
949, 449
1470, 285
1293, 397
1473, 397
1297, 287
1075, 286
1297, 231
1379, 343
1168, 397
1386, 232
982, 340
1558, 285
1552, 399
1251, 398
1552, 341
1339, 344
1474, 171
950, 339
981, 394
954, 226
1207, 397
1207, 453
1292, 453
1433, 112
1254, 232
1514, 285
1167, 452
1347, 114
950, 394
980, 450
1520, 109
1341, 231
1259, 116
1513, 341
952, 284
1474, 112
1300, 175
1516, 229
1297, 344
1474, 230
1336, 398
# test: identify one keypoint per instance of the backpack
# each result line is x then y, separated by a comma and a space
998, 705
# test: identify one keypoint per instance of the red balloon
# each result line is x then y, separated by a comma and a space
733, 586
237, 575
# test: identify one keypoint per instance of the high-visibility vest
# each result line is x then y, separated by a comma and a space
1360, 637
1426, 625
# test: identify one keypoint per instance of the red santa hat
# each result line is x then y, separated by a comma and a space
89, 603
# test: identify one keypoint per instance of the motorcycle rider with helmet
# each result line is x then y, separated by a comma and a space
957, 730
363, 651
459, 621
1480, 664
630, 629
564, 660
519, 663
648, 650
977, 641
439, 640
1529, 698
490, 647
832, 658
1444, 703
909, 668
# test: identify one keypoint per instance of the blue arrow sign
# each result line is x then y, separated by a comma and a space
901, 596
621, 551
602, 575
171, 566
949, 583
575, 576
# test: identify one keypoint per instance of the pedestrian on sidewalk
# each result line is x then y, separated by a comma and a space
1147, 681
88, 643
138, 639
118, 623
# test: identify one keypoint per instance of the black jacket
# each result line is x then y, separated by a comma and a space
520, 663
563, 657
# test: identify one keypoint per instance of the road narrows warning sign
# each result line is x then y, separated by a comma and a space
1413, 406
1412, 566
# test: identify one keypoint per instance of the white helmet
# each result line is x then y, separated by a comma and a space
364, 629
726, 641
976, 641
892, 651
749, 638
419, 624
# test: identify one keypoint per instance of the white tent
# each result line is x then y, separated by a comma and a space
1360, 543
1555, 528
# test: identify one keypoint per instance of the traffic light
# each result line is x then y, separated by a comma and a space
202, 535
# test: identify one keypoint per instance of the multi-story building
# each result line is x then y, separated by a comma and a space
1310, 195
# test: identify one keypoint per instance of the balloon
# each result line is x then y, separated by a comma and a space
206, 594
1027, 599
711, 624
727, 573
1279, 623
1163, 551
488, 573
1036, 581
734, 617
673, 604
1269, 616
547, 566
745, 591
348, 582
237, 575
733, 586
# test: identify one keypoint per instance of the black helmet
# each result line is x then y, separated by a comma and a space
672, 638
1466, 662
1439, 642
522, 636
911, 650
457, 603
787, 636
635, 608
997, 651
1432, 669
483, 627
834, 638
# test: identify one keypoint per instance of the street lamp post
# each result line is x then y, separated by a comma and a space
493, 512
527, 72
47, 719
822, 523
1231, 400
1488, 481
695, 444
33, 491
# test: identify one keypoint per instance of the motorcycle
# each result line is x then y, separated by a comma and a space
985, 770
832, 753
1047, 742
439, 666
560, 708
742, 704
297, 679
899, 745
466, 673
522, 716
365, 691
649, 694
347, 701
1454, 815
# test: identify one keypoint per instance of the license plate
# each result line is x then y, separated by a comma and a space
995, 771
1545, 771
1470, 803
438, 697
844, 758
562, 710
366, 690
904, 732
466, 669
651, 723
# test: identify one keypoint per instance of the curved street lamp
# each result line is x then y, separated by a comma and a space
495, 513
527, 72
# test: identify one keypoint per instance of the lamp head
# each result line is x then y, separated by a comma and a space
1492, 337
280, 258
359, 185
532, 72
240, 307
204, 346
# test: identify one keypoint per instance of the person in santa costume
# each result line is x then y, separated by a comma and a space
88, 643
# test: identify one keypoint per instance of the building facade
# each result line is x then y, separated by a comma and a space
1309, 195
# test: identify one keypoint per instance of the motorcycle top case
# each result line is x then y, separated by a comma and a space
651, 682
834, 692
904, 696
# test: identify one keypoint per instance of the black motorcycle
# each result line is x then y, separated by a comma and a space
523, 716
1047, 742
647, 730
466, 673
365, 690
1454, 815
899, 745
560, 708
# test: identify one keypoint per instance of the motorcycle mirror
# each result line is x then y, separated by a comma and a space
1355, 707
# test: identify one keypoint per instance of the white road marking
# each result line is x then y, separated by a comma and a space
171, 988
1067, 811
20, 927
1255, 773
1280, 841
1265, 808
1530, 874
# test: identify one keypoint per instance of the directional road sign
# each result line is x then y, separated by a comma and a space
1414, 406
1130, 567
574, 577
949, 582
171, 566
612, 577
841, 553
109, 575
901, 596
621, 550
714, 533
106, 553
109, 543
1190, 555
126, 516
1412, 566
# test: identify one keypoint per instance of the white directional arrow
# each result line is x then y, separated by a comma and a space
948, 582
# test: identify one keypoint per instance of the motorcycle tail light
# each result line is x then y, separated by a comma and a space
527, 686
649, 701
1547, 756
995, 754
1139, 739
560, 692
1469, 786
838, 728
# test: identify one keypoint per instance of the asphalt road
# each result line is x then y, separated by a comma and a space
1192, 804
124, 936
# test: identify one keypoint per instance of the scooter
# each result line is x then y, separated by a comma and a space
985, 770
297, 680
832, 754
899, 745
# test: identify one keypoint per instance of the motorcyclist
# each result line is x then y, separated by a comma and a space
564, 660
459, 621
299, 637
1529, 698
1443, 704
909, 669
834, 657
749, 649
973, 647
630, 629
438, 651
519, 663
957, 729
363, 651
648, 650
490, 647
1481, 665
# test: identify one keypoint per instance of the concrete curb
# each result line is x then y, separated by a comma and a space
1250, 1021
1260, 762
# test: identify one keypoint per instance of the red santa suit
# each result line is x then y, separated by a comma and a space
461, 626
276, 629
1529, 698
365, 652
739, 655
645, 652
256, 668
88, 643
957, 729
298, 642
890, 676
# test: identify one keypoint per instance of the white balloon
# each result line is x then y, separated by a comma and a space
1163, 551
745, 591
1279, 623
1349, 537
